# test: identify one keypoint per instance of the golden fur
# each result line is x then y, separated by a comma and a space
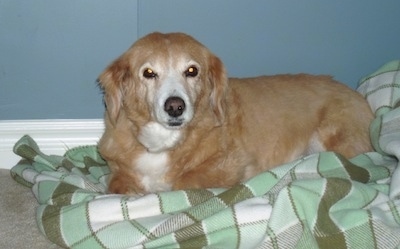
234, 128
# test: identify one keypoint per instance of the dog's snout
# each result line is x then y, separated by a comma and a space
174, 106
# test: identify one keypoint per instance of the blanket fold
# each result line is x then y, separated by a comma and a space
319, 201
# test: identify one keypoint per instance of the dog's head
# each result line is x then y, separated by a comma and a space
164, 78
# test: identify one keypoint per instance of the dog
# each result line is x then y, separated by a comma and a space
174, 120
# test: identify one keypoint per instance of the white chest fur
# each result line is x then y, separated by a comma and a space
157, 138
154, 164
153, 167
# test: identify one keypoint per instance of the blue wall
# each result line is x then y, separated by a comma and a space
52, 51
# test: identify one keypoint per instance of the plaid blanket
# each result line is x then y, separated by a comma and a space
319, 201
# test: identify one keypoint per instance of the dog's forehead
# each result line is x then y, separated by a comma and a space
170, 40
177, 47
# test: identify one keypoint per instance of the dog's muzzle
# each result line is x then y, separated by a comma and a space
174, 107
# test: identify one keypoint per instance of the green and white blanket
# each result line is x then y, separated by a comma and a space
320, 201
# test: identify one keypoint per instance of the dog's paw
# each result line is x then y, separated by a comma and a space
157, 138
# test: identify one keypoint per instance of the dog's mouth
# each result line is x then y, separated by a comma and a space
175, 123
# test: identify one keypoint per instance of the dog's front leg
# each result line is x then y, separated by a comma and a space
124, 183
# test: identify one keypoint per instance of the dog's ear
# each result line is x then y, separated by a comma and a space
113, 81
219, 82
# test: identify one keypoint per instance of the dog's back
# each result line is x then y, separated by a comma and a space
284, 117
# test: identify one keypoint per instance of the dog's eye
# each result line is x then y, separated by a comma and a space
191, 71
149, 73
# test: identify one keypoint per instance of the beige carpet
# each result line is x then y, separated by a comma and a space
18, 227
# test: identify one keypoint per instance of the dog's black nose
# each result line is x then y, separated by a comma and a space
174, 106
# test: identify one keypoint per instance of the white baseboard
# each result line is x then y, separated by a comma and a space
54, 137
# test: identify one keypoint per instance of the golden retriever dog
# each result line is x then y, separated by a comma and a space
174, 120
